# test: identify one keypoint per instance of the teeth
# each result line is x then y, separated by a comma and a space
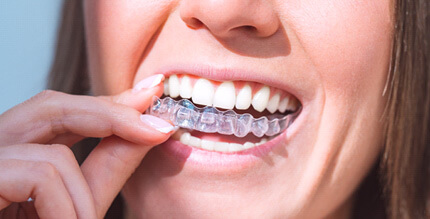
221, 146
248, 145
288, 103
283, 105
203, 92
186, 90
233, 147
195, 142
225, 96
225, 147
273, 103
185, 138
261, 98
174, 86
244, 98
166, 87
208, 145
292, 105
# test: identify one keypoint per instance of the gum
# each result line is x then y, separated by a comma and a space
185, 114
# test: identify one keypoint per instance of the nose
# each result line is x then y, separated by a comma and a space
225, 18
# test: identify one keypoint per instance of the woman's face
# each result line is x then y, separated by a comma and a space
332, 56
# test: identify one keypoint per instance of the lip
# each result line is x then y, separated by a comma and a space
217, 162
210, 161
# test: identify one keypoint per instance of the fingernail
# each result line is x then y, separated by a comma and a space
149, 82
157, 123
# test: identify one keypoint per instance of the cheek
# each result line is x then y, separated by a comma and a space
348, 42
117, 33
351, 58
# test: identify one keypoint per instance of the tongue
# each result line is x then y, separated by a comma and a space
225, 138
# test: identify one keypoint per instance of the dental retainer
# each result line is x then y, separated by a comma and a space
185, 114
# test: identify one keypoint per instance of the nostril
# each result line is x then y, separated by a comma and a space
247, 29
194, 23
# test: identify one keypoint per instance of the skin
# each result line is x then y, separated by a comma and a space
333, 55
35, 152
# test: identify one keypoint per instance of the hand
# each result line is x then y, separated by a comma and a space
36, 160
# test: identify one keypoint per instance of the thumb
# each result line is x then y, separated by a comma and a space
108, 168
112, 162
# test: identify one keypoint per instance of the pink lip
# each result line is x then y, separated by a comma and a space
229, 74
208, 161
198, 157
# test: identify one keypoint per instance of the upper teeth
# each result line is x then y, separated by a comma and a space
225, 95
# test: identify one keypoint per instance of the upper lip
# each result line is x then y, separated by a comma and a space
229, 74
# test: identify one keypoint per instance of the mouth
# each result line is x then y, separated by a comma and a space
226, 117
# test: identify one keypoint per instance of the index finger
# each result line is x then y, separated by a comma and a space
51, 114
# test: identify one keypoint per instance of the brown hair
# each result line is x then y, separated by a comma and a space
406, 159
404, 170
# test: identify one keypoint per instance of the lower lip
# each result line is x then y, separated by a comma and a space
211, 159
199, 160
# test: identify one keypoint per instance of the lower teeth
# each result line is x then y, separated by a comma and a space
185, 114
187, 139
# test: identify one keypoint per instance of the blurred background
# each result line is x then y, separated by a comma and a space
27, 39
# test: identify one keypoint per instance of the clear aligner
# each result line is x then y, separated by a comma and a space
185, 114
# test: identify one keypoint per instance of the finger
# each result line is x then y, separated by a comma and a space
62, 158
109, 166
50, 114
65, 139
20, 180
132, 97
